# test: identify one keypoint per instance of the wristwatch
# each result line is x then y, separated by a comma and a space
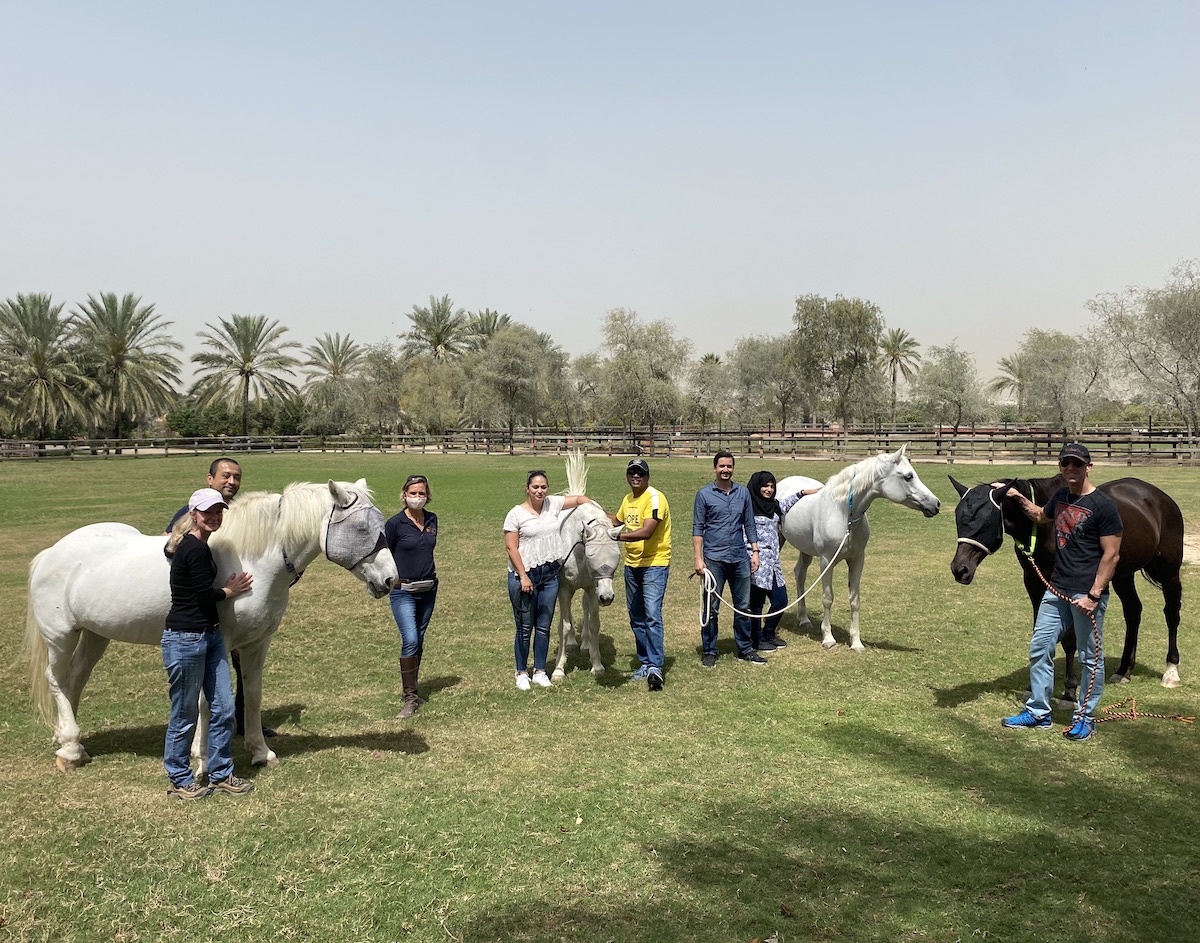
1093, 597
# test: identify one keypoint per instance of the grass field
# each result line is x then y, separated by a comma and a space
828, 796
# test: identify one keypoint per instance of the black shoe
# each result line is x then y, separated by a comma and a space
766, 645
654, 680
777, 642
708, 661
754, 658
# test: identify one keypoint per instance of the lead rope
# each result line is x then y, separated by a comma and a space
1113, 711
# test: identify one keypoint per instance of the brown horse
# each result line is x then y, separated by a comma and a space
1152, 543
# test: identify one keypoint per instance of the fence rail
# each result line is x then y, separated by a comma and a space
1116, 446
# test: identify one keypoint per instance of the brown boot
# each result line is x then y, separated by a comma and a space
408, 679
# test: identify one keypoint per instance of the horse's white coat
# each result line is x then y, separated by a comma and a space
819, 526
110, 581
592, 558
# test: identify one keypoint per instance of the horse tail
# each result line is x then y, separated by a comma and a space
37, 655
577, 472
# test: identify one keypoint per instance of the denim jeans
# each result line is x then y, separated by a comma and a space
738, 576
645, 587
195, 662
1055, 618
412, 612
775, 598
533, 613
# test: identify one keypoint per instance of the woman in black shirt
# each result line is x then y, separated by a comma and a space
411, 536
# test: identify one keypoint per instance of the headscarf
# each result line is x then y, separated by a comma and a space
762, 506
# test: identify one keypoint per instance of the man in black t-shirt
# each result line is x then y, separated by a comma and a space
1087, 534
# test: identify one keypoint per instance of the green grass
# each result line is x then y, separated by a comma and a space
828, 796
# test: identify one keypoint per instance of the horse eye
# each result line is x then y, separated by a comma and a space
908, 477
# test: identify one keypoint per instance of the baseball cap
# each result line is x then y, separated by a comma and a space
638, 465
206, 499
1075, 450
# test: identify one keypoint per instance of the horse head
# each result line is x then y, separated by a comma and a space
352, 537
602, 553
980, 521
900, 483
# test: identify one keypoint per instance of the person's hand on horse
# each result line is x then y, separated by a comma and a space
237, 584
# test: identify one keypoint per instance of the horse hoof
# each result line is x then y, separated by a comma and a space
1170, 678
558, 675
598, 671
270, 762
68, 764
858, 647
829, 643
1119, 679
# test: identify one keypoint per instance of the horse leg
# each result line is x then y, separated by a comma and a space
71, 755
1172, 600
856, 569
1131, 607
827, 639
87, 653
566, 629
253, 657
591, 629
803, 623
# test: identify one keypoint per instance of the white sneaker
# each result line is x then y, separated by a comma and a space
522, 681
539, 678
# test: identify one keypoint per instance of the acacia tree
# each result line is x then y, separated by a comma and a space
899, 358
512, 368
246, 360
948, 387
1155, 334
125, 347
768, 377
1062, 373
708, 389
643, 367
838, 348
46, 381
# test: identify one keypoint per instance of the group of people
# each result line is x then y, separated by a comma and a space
735, 541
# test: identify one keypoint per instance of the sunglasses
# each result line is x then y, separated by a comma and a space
635, 474
411, 478
1071, 463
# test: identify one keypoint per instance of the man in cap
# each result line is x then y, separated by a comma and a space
646, 532
1087, 534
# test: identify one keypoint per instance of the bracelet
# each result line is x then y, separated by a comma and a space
1093, 597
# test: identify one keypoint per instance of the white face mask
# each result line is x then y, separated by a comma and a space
415, 502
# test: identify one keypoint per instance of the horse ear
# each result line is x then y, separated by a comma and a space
958, 486
340, 495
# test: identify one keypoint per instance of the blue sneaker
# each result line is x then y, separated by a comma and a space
1083, 728
640, 674
1026, 720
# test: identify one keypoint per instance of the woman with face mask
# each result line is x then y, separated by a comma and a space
411, 536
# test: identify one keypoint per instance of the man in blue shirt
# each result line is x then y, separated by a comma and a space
722, 529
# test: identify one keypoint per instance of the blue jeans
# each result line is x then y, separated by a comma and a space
776, 598
533, 613
645, 587
412, 612
195, 662
1055, 618
738, 576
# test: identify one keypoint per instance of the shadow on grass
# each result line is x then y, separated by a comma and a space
1039, 851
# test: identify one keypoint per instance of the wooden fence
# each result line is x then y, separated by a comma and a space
1113, 446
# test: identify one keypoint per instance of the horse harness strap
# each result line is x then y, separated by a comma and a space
288, 564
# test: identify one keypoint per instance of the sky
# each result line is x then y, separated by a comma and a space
976, 170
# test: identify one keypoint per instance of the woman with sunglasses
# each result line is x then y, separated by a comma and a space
411, 536
535, 554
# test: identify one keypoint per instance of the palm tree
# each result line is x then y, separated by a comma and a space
899, 358
247, 360
45, 378
124, 346
1013, 380
439, 330
333, 359
483, 325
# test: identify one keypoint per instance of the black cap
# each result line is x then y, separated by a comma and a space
1075, 450
638, 465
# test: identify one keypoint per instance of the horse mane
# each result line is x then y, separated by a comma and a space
577, 472
859, 476
255, 522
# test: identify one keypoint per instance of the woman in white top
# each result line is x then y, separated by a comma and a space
535, 553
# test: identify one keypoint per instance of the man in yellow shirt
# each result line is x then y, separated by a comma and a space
646, 520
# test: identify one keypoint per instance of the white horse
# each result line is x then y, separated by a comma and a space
832, 526
592, 558
109, 581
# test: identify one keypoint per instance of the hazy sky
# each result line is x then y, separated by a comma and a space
975, 169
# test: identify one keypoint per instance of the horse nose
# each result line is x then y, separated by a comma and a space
962, 573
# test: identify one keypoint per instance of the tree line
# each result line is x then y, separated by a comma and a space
109, 367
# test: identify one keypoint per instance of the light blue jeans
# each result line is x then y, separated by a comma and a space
195, 662
1054, 619
645, 588
738, 575
412, 612
533, 613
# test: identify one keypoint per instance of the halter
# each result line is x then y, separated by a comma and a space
999, 529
